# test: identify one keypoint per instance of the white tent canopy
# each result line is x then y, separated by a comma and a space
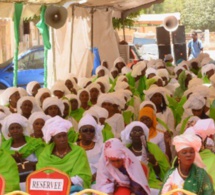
72, 44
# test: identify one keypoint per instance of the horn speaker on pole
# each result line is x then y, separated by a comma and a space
55, 16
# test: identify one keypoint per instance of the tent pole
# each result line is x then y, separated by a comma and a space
71, 40
92, 32
123, 27
53, 53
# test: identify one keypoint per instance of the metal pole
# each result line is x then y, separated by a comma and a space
71, 40
53, 52
92, 32
123, 25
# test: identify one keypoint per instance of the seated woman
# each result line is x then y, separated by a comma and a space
32, 88
148, 117
9, 171
10, 98
91, 141
147, 152
120, 172
59, 89
26, 106
63, 155
84, 97
37, 121
188, 171
18, 143
76, 112
42, 94
94, 90
53, 106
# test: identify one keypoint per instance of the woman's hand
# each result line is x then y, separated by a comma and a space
151, 158
167, 137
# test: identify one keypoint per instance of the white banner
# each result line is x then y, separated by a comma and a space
47, 184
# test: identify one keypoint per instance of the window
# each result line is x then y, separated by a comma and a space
37, 60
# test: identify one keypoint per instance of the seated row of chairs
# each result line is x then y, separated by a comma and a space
39, 181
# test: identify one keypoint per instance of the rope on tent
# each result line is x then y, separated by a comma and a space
17, 17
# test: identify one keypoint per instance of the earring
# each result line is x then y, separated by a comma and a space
178, 160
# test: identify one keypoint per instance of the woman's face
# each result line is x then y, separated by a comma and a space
119, 66
116, 162
43, 97
58, 94
87, 132
165, 81
102, 121
186, 156
114, 74
15, 130
94, 93
53, 111
35, 89
102, 87
74, 104
101, 73
84, 97
66, 110
136, 133
151, 75
210, 73
13, 99
198, 112
26, 107
159, 83
37, 127
60, 140
147, 121
157, 99
187, 80
108, 106
69, 84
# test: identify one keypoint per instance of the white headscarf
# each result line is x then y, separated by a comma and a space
50, 101
5, 96
89, 120
14, 118
53, 126
40, 92
105, 98
35, 106
106, 71
163, 73
82, 82
30, 87
60, 86
177, 68
207, 68
187, 140
137, 68
194, 82
212, 79
114, 148
22, 92
121, 85
94, 85
184, 63
117, 60
71, 78
150, 70
125, 134
105, 81
125, 70
206, 60
146, 102
101, 112
73, 96
35, 116
195, 101
82, 90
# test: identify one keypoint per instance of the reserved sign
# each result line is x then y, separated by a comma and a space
47, 184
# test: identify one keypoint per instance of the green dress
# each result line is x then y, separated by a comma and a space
9, 170
107, 132
77, 114
197, 182
32, 146
208, 158
75, 163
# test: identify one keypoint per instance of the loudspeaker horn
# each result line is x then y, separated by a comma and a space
170, 23
55, 16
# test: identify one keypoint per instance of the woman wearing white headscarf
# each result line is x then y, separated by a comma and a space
32, 88
63, 155
91, 141
188, 171
37, 121
120, 172
135, 136
59, 89
119, 63
94, 91
15, 129
42, 94
27, 105
53, 106
10, 98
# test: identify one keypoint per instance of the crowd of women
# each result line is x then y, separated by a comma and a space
145, 129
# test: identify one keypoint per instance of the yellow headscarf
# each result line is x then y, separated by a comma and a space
149, 112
